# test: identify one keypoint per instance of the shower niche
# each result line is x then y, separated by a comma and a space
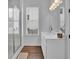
32, 21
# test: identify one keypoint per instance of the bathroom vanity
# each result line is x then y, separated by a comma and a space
52, 46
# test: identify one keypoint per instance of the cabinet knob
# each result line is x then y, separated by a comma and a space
69, 11
69, 36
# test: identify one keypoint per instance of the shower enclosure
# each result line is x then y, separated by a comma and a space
14, 27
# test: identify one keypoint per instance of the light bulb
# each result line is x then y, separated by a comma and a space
52, 6
56, 1
55, 4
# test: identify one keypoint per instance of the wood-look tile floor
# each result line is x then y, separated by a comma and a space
34, 52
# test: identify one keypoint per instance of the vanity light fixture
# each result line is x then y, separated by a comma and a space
55, 4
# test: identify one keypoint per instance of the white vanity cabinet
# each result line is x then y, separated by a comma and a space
53, 47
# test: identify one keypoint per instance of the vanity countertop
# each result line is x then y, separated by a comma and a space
52, 35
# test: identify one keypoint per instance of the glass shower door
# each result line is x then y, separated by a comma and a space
14, 27
10, 33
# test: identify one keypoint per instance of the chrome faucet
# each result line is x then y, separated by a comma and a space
50, 28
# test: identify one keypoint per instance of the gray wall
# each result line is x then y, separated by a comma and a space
46, 18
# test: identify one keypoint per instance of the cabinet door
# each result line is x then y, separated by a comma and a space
55, 49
